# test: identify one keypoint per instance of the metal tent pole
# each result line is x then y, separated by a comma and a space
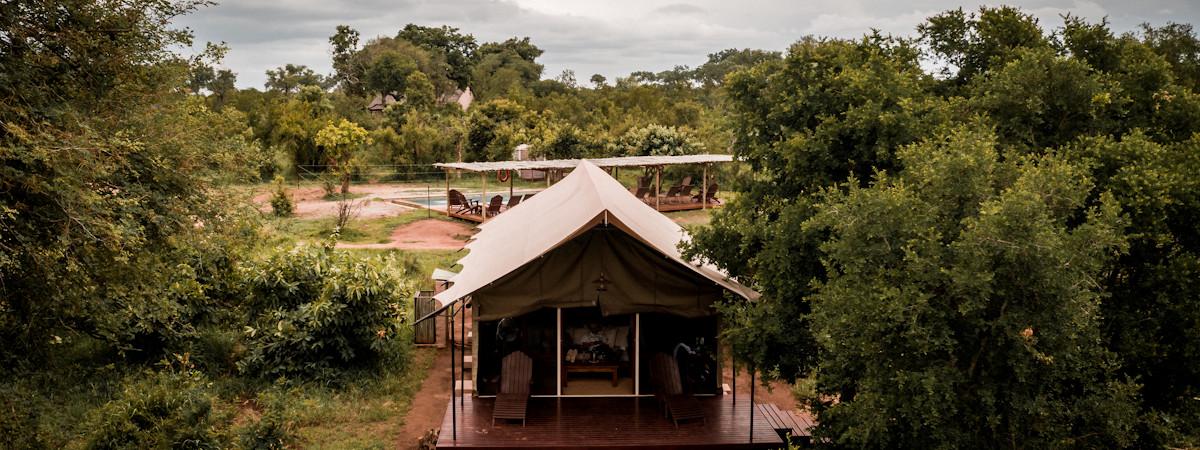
453, 407
462, 399
752, 383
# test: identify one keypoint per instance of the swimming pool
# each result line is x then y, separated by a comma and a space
437, 201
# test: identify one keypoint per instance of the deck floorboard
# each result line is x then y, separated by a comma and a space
607, 423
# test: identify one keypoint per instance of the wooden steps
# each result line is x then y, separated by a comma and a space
787, 423
470, 386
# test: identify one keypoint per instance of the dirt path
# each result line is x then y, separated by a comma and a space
429, 405
426, 234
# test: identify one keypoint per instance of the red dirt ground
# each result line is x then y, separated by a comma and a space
426, 234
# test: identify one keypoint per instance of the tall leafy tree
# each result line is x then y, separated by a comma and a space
457, 49
960, 307
107, 175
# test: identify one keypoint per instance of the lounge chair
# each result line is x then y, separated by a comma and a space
641, 193
671, 194
516, 372
462, 203
514, 200
685, 193
493, 207
711, 195
687, 181
677, 404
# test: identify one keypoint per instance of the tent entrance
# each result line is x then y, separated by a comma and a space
598, 354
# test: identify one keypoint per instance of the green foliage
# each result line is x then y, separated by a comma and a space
159, 410
314, 311
281, 202
342, 143
290, 78
656, 140
960, 309
456, 49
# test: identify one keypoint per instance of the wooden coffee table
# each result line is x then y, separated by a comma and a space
590, 368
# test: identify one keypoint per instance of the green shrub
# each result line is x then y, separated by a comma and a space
158, 410
272, 430
281, 203
315, 311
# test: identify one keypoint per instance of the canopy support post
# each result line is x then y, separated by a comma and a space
637, 354
453, 406
733, 367
657, 186
558, 349
510, 184
483, 196
447, 195
752, 383
704, 189
462, 399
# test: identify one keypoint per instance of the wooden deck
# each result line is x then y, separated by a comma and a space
608, 423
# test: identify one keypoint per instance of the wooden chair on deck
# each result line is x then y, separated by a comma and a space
513, 201
672, 194
462, 203
685, 193
642, 192
678, 405
711, 195
516, 373
493, 207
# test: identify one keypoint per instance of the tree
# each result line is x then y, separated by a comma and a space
109, 176
971, 44
291, 77
505, 67
598, 80
223, 85
656, 140
388, 72
960, 305
418, 91
342, 142
1177, 43
720, 64
457, 49
345, 44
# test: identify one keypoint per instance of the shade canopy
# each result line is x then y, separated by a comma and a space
552, 249
621, 161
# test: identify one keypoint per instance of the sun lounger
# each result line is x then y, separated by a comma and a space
461, 204
516, 371
678, 405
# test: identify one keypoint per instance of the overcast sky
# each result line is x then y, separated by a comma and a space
609, 37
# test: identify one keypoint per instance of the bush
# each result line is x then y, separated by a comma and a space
272, 430
281, 203
314, 311
158, 410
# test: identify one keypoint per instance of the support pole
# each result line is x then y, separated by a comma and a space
462, 353
733, 364
483, 196
657, 186
704, 189
453, 407
447, 195
511, 175
752, 383
558, 350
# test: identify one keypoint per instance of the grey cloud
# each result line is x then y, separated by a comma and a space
611, 38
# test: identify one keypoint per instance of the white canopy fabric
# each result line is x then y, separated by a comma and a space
585, 198
617, 161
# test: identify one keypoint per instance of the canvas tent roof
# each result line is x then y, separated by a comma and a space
621, 161
516, 255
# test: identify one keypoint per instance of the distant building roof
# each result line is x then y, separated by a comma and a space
380, 102
463, 98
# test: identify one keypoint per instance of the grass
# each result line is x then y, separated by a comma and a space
366, 415
359, 231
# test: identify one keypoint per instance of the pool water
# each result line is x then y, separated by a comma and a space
439, 201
